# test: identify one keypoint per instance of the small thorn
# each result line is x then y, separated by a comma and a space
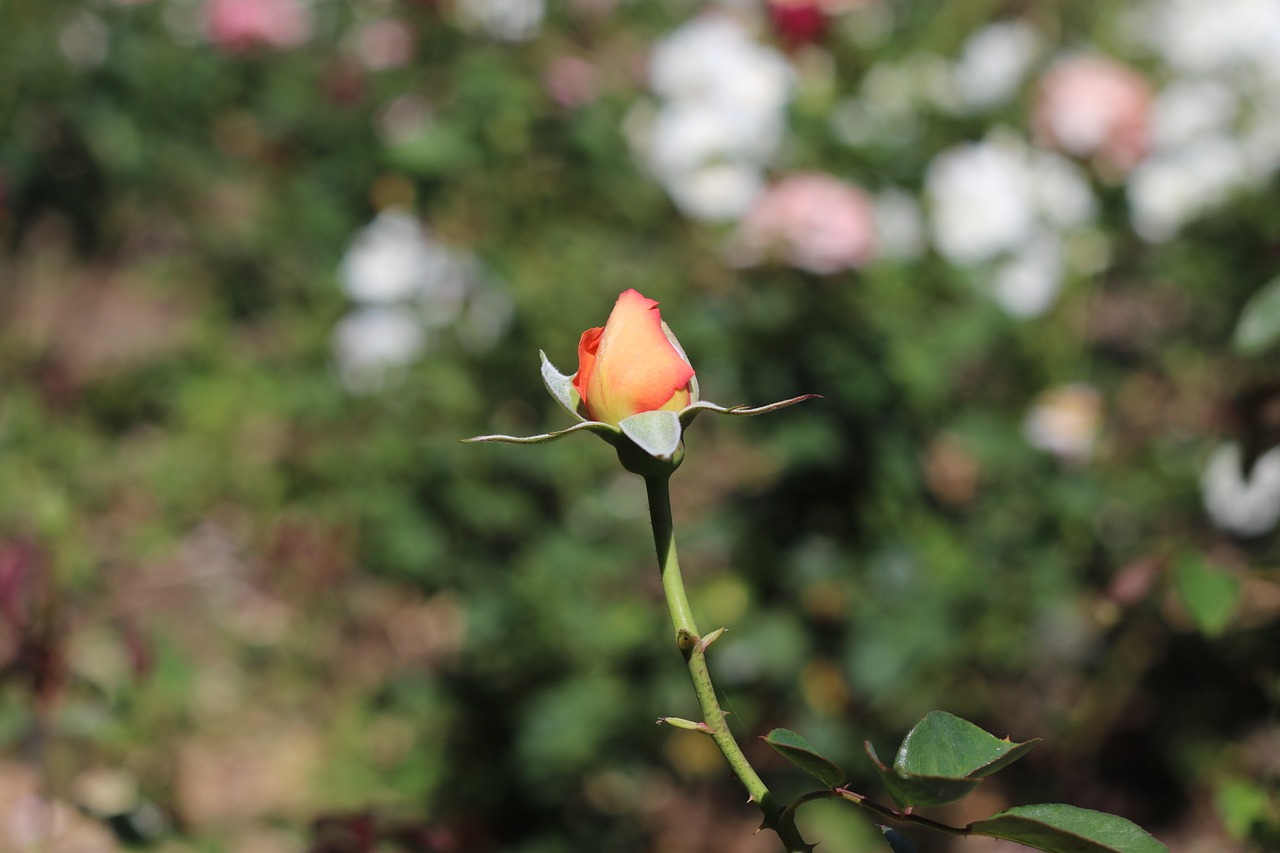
689, 725
712, 637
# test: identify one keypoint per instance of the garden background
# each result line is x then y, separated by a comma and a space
264, 262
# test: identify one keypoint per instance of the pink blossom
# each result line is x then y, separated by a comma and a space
241, 25
1095, 107
384, 43
571, 82
812, 221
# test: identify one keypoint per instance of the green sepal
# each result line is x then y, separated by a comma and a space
689, 412
609, 433
942, 758
656, 433
801, 753
1059, 828
561, 387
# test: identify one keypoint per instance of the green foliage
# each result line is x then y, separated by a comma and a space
1068, 829
1210, 595
941, 759
801, 753
1258, 328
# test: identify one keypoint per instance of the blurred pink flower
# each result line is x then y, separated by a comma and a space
812, 221
384, 43
240, 25
1095, 107
571, 81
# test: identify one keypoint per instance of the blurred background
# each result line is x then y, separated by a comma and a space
264, 262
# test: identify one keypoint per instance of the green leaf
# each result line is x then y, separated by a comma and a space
436, 150
560, 386
1242, 803
801, 753
656, 433
920, 790
942, 758
1210, 595
944, 745
1060, 828
1258, 328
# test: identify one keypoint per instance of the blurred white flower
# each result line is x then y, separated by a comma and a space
1028, 283
1002, 200
1243, 503
720, 119
713, 59
1216, 130
373, 345
987, 197
405, 284
717, 192
1064, 421
994, 62
504, 20
1062, 194
391, 259
1096, 107
1191, 109
1173, 188
981, 200
1196, 37
812, 221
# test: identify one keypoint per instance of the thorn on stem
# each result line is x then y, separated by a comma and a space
690, 725
712, 637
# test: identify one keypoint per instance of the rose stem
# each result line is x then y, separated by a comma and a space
689, 641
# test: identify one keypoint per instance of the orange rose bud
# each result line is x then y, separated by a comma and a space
631, 366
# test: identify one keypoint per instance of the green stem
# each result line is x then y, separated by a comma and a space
689, 641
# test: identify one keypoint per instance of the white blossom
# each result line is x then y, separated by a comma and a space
373, 345
504, 20
994, 63
1027, 284
720, 119
390, 259
1243, 503
407, 286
